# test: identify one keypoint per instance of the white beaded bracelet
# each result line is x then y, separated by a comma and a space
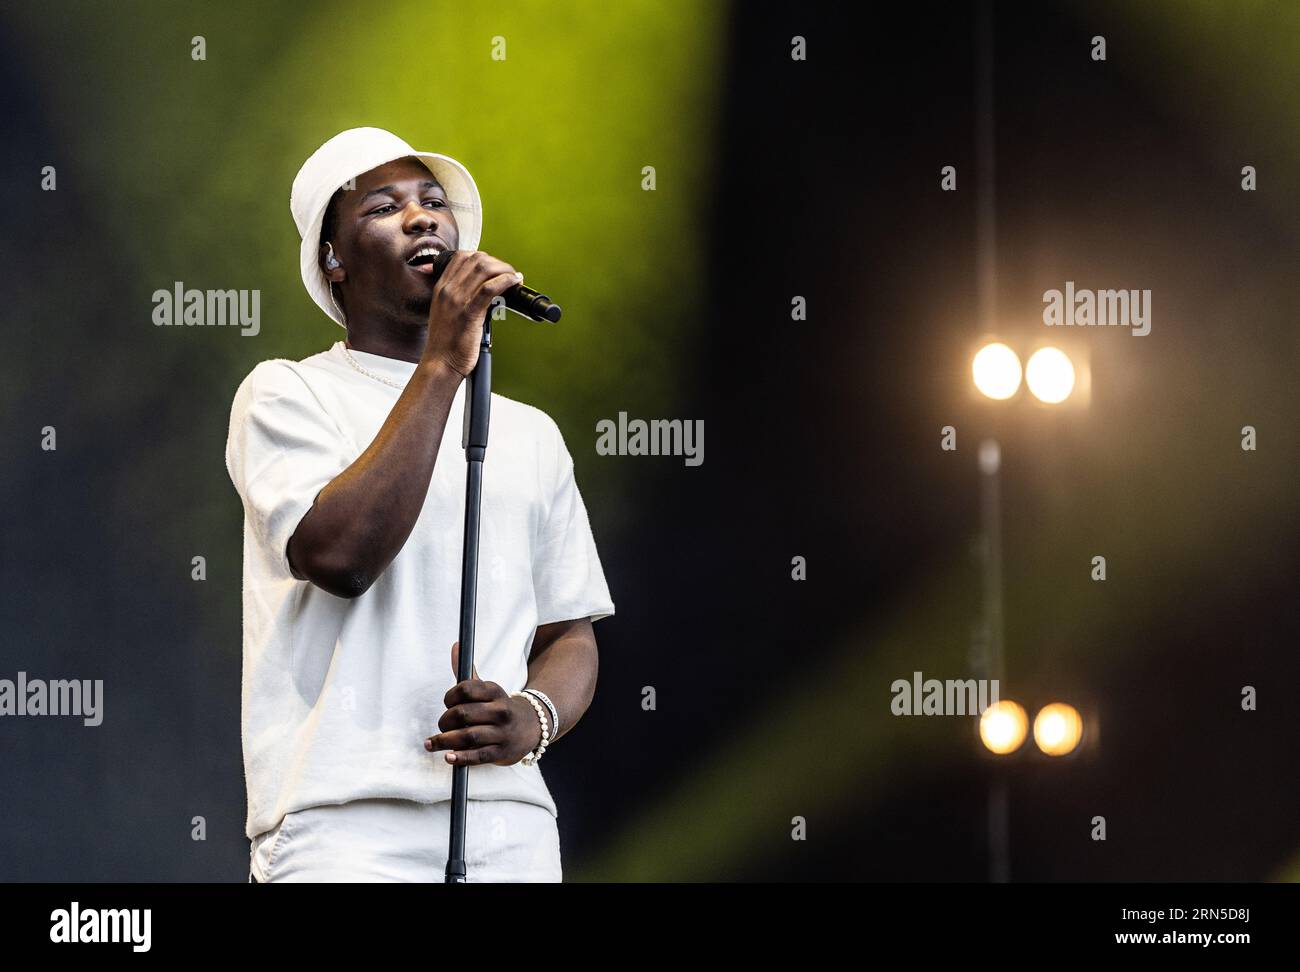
536, 754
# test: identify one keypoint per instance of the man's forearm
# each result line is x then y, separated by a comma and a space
363, 516
564, 665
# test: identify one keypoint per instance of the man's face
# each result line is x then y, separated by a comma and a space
394, 211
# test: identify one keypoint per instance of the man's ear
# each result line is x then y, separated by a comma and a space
338, 274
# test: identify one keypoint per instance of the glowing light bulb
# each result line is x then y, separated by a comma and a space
1003, 727
1050, 375
1058, 728
996, 370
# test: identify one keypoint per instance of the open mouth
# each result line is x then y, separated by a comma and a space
422, 259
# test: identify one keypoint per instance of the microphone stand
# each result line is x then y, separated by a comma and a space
474, 438
478, 398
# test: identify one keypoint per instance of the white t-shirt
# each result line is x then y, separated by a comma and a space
339, 694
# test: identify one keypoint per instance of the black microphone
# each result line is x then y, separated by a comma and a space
520, 299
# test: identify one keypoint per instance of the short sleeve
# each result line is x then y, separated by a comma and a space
283, 448
567, 576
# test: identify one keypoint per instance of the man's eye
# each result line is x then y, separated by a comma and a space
382, 208
438, 202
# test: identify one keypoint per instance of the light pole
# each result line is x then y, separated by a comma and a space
990, 462
997, 375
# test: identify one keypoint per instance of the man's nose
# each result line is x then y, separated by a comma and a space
418, 218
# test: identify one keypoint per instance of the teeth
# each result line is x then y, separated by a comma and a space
423, 251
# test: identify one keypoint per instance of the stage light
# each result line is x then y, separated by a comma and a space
1050, 375
996, 370
1003, 727
1058, 729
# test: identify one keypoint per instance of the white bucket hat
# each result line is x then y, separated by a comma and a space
348, 155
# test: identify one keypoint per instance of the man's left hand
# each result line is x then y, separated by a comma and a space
483, 724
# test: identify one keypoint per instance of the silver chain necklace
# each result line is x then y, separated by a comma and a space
353, 361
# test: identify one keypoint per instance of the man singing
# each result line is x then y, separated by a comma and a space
354, 510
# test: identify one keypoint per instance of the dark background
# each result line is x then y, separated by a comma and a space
822, 440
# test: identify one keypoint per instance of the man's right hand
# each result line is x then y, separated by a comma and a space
461, 299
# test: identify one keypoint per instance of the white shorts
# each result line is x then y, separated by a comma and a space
400, 840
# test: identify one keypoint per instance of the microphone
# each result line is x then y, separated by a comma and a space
520, 299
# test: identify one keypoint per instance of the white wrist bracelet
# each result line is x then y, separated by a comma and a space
555, 716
